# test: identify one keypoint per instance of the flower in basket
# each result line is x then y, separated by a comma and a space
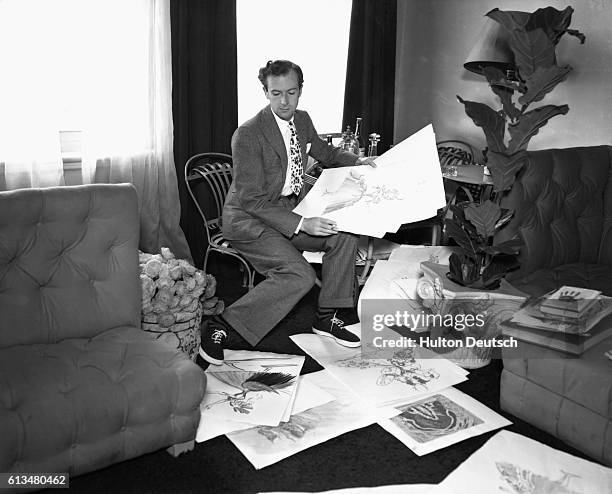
175, 295
174, 291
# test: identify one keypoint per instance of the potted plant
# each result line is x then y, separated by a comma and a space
532, 37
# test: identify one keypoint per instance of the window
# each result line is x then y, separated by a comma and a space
313, 34
95, 69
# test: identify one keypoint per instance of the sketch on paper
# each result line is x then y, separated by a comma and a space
401, 367
255, 383
522, 481
256, 387
434, 417
263, 445
355, 189
514, 464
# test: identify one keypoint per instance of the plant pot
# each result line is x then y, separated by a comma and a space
478, 284
442, 295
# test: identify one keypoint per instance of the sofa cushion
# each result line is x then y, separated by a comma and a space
568, 397
595, 276
68, 262
82, 404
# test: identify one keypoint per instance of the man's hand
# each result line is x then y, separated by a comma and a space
366, 161
319, 227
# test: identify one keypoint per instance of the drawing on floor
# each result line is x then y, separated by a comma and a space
522, 481
245, 382
433, 417
401, 367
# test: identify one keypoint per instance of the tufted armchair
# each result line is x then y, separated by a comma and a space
81, 386
563, 214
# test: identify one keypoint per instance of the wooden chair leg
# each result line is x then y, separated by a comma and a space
178, 449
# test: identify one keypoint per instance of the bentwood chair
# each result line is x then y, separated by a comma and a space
208, 177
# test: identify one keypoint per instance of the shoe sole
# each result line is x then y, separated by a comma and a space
208, 358
349, 344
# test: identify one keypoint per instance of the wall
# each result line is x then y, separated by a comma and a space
435, 36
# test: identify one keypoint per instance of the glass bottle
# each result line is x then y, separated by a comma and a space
373, 148
359, 147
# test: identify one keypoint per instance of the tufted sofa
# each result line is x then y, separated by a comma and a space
81, 386
563, 214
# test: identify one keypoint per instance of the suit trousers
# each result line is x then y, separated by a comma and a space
289, 277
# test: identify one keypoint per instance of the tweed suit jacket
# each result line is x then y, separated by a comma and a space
260, 166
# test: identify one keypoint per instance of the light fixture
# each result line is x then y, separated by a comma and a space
491, 50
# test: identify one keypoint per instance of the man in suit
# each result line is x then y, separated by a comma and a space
269, 151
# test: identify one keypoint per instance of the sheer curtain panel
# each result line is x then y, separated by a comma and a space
29, 107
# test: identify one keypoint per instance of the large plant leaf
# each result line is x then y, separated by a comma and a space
492, 123
532, 49
529, 125
484, 217
506, 215
554, 23
499, 266
459, 235
542, 82
504, 168
463, 269
511, 20
504, 89
510, 247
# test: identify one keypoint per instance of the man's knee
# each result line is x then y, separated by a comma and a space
305, 274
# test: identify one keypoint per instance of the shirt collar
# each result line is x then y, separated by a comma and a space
282, 124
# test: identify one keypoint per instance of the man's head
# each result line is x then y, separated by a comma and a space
282, 84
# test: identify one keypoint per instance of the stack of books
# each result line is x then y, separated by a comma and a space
570, 319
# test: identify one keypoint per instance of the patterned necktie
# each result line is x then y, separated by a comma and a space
297, 170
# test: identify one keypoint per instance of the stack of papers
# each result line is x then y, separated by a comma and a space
406, 186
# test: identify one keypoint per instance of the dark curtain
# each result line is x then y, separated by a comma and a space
370, 74
204, 93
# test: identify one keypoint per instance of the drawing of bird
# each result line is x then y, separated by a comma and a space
249, 381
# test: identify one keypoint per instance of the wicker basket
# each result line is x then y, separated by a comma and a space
184, 334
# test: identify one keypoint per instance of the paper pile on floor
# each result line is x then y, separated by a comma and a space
265, 445
250, 388
406, 186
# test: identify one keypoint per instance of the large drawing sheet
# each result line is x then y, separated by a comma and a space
441, 419
512, 463
255, 388
405, 187
307, 395
263, 446
408, 374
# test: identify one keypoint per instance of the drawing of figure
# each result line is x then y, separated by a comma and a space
354, 189
249, 382
523, 481
401, 367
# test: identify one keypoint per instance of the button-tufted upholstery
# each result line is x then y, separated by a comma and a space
81, 386
563, 214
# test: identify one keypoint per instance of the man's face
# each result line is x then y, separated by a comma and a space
283, 93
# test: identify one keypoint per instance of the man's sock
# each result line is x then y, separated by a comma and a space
324, 313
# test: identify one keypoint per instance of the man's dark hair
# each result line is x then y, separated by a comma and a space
277, 68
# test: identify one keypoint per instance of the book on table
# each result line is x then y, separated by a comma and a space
570, 298
572, 335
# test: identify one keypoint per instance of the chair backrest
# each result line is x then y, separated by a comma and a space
562, 202
208, 177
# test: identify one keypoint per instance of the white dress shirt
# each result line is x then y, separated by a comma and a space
283, 126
